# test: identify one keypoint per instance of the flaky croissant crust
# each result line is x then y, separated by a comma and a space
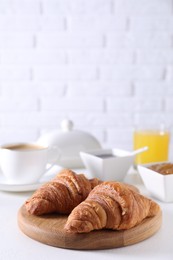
61, 194
110, 205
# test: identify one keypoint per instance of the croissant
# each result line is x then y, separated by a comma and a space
110, 205
62, 194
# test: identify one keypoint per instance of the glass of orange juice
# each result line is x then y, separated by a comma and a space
157, 141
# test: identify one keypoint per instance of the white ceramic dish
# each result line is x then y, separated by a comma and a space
109, 164
5, 186
69, 142
160, 186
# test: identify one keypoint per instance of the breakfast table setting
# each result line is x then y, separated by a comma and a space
34, 177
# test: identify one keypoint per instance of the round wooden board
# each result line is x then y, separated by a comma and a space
49, 229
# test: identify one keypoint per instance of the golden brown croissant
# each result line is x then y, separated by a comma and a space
61, 194
110, 205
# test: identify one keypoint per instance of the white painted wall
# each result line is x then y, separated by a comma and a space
105, 64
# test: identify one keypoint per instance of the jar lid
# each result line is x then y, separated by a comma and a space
70, 143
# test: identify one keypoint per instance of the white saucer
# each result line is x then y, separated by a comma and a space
5, 186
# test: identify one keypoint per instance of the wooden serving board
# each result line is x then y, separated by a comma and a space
49, 229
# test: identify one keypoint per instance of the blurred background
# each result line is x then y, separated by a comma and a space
105, 64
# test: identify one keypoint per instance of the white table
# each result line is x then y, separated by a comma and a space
15, 245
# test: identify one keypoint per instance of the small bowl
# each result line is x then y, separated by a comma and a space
108, 164
159, 185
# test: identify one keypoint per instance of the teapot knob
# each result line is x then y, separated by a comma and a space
66, 125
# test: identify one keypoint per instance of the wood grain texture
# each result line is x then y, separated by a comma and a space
49, 229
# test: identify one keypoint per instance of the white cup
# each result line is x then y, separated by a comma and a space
24, 163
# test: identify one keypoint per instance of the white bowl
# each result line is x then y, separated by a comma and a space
108, 164
160, 186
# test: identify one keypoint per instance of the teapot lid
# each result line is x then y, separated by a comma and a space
70, 143
67, 125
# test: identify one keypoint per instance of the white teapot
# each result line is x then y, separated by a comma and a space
70, 143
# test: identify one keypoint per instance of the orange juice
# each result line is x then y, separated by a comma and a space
157, 142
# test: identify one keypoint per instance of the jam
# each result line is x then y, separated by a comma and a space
163, 168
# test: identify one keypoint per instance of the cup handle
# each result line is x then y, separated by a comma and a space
53, 155
52, 161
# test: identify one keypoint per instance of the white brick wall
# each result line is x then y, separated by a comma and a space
106, 64
74, 7
16, 40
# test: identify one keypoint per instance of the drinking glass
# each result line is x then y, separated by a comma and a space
156, 139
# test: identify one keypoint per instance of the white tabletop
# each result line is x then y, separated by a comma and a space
15, 245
